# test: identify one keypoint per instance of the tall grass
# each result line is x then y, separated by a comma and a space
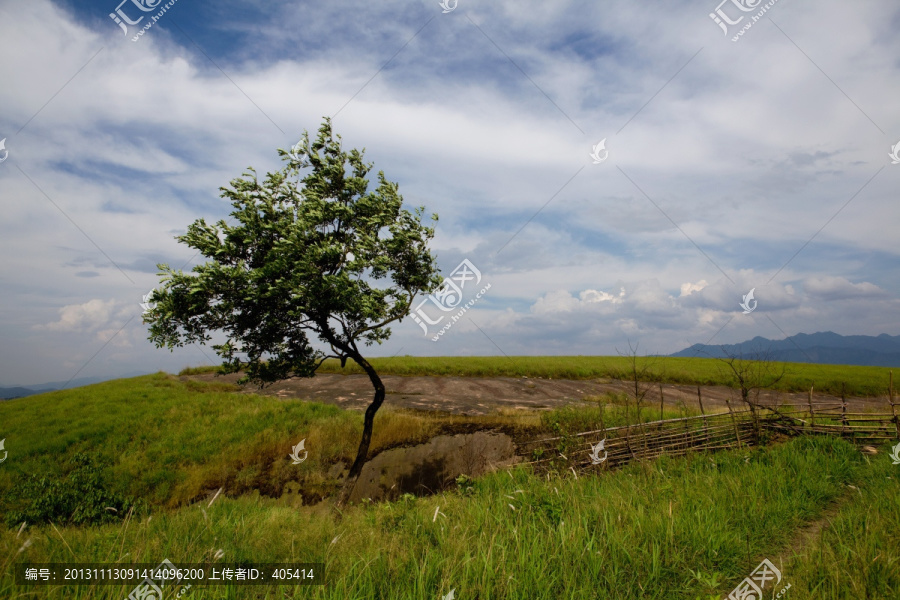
645, 531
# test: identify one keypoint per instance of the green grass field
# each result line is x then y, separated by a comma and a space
859, 381
170, 441
693, 527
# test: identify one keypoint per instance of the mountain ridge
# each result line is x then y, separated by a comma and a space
825, 347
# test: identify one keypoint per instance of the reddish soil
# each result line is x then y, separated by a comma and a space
480, 396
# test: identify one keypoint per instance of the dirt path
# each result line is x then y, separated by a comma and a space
806, 536
483, 395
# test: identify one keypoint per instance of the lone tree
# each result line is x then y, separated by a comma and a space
305, 256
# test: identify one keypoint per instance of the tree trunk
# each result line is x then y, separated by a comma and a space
363, 450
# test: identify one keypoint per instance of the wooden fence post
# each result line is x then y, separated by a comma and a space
702, 412
660, 403
843, 409
603, 425
628, 431
891, 399
737, 432
812, 414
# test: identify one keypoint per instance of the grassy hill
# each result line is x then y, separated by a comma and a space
825, 514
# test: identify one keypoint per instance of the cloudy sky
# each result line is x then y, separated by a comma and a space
761, 163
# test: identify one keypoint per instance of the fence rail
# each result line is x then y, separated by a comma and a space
717, 431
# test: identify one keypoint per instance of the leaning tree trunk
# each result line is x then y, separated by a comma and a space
363, 450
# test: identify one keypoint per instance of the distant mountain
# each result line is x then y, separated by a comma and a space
20, 391
824, 347
9, 393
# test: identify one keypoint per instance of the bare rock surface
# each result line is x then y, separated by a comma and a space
484, 395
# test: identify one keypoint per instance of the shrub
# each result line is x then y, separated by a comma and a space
81, 498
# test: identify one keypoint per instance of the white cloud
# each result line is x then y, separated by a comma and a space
689, 288
749, 153
595, 296
558, 301
87, 316
839, 288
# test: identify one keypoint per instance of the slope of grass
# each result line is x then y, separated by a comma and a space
170, 442
859, 381
660, 530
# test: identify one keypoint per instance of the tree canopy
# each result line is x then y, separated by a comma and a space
306, 255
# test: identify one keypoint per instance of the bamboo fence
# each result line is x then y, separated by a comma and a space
718, 431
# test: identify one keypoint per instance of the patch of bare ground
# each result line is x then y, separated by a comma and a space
486, 395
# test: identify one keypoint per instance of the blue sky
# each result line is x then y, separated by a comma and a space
762, 163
